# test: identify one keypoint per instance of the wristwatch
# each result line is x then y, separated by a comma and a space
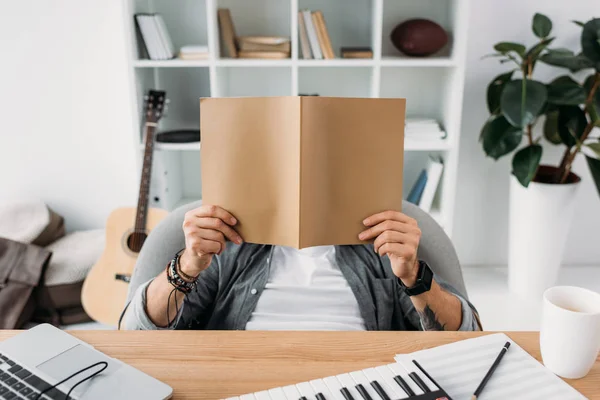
423, 282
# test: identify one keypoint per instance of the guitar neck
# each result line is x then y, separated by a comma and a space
143, 197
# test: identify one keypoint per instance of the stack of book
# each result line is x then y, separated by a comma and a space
424, 189
155, 36
357, 52
423, 129
193, 52
314, 37
250, 46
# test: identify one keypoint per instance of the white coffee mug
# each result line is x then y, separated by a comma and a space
570, 330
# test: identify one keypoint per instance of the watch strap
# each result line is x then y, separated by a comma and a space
423, 282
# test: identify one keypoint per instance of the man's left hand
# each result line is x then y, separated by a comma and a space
398, 236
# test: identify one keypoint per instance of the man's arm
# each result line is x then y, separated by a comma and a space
397, 236
206, 229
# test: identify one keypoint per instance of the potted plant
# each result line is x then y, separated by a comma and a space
543, 197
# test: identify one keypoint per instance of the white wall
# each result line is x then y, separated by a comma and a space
65, 116
480, 228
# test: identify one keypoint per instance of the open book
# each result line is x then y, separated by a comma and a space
302, 171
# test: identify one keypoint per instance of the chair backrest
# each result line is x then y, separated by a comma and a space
167, 239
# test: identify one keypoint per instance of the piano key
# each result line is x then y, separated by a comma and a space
388, 378
321, 387
248, 396
233, 398
278, 394
410, 367
348, 383
291, 392
419, 382
360, 378
335, 387
320, 396
306, 390
264, 395
363, 392
374, 375
404, 385
398, 369
346, 394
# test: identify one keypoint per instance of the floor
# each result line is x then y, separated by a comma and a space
488, 291
499, 310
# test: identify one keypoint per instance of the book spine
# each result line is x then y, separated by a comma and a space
417, 190
165, 35
329, 54
148, 39
434, 174
227, 31
306, 53
162, 40
312, 35
320, 36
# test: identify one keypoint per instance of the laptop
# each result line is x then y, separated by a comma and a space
40, 357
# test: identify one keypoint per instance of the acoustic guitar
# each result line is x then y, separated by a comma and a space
104, 291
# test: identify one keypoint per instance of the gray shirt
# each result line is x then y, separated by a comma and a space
228, 290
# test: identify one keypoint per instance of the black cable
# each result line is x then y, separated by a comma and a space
75, 374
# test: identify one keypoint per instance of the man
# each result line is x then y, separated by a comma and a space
220, 282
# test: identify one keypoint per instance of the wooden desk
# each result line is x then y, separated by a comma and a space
213, 365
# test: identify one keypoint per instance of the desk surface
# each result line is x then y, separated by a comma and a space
213, 365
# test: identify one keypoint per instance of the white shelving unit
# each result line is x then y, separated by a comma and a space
433, 86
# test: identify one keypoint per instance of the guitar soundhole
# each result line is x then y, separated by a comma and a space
136, 240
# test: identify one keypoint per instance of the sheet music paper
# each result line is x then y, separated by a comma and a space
459, 368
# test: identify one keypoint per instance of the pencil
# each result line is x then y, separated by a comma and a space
487, 376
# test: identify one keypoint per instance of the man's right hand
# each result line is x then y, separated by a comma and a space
206, 229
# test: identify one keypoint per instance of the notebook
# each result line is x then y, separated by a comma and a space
459, 367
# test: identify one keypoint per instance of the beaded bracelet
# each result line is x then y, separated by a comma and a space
183, 274
176, 280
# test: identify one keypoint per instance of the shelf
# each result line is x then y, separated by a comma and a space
417, 62
426, 145
175, 63
253, 62
337, 62
195, 146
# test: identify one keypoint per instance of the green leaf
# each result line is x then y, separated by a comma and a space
521, 106
551, 128
561, 51
541, 25
595, 147
594, 165
494, 90
578, 23
505, 47
588, 84
571, 124
536, 50
499, 137
574, 63
525, 163
590, 39
565, 91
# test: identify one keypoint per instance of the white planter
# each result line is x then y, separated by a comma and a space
539, 220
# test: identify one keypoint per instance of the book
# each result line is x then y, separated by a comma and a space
423, 129
145, 25
326, 46
417, 190
357, 52
164, 36
312, 35
227, 30
320, 172
459, 367
434, 175
320, 34
263, 54
263, 43
304, 44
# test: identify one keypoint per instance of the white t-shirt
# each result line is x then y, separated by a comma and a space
306, 291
